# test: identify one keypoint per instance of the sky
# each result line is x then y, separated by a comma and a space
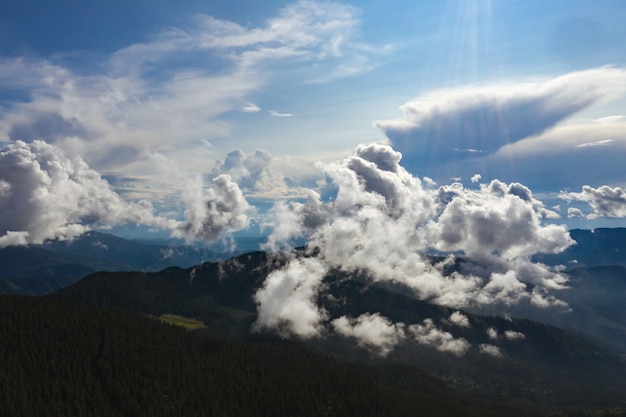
376, 132
153, 101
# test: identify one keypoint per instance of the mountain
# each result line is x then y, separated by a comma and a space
595, 297
40, 269
134, 255
530, 361
62, 359
597, 247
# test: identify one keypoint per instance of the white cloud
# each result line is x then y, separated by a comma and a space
513, 335
277, 114
603, 142
573, 212
429, 182
164, 94
605, 201
11, 238
475, 178
490, 350
610, 119
372, 331
428, 334
210, 212
380, 220
45, 194
459, 319
492, 333
251, 172
288, 299
250, 108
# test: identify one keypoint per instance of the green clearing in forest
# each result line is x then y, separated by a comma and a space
186, 322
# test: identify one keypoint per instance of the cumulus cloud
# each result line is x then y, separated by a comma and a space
288, 299
573, 212
380, 220
294, 220
492, 333
209, 212
476, 178
251, 172
372, 331
513, 335
257, 175
605, 201
428, 334
45, 194
429, 182
459, 319
14, 239
475, 121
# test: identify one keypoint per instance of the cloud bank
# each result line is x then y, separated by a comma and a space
605, 201
381, 221
46, 194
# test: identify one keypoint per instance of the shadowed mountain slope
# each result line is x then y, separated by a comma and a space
546, 365
62, 359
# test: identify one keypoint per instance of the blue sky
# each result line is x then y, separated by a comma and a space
155, 95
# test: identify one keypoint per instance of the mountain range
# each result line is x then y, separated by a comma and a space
40, 269
529, 361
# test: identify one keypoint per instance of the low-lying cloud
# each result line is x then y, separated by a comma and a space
288, 299
382, 221
372, 331
428, 334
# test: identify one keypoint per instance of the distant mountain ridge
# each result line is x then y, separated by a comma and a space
596, 247
40, 269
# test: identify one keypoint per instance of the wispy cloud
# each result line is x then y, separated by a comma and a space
163, 95
250, 108
603, 142
277, 114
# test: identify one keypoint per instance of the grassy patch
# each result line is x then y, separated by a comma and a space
186, 322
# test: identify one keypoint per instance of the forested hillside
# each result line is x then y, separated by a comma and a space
62, 359
538, 363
